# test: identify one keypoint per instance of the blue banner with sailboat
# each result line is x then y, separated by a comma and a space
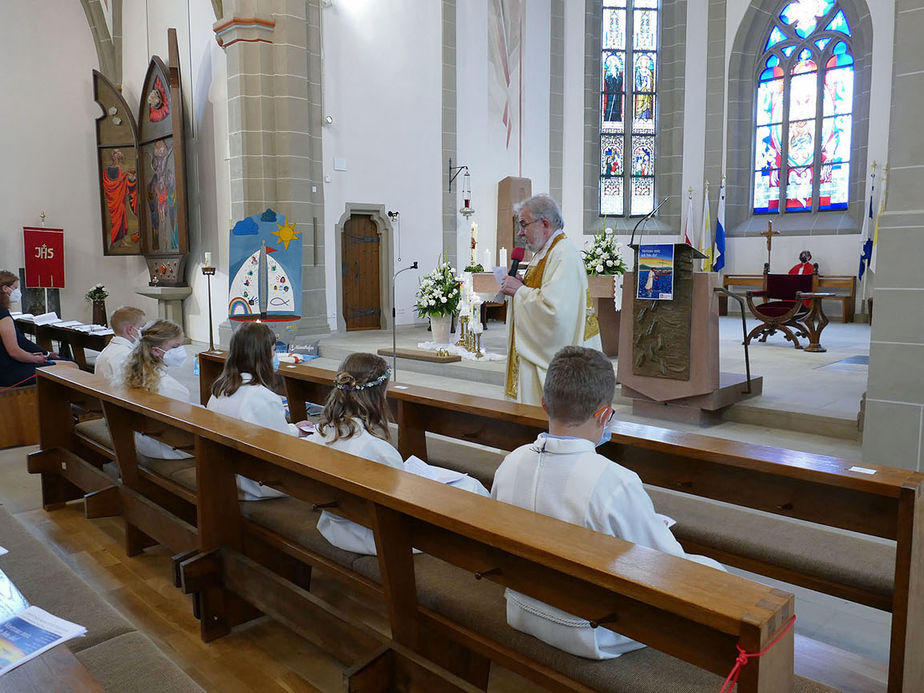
656, 272
265, 269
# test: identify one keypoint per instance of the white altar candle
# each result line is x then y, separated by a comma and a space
502, 258
208, 259
487, 260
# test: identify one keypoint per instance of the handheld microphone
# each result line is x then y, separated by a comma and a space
516, 256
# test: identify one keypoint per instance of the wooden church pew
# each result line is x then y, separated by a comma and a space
684, 609
880, 502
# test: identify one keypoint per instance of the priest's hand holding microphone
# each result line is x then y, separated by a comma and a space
512, 283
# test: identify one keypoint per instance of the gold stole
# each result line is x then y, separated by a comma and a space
533, 280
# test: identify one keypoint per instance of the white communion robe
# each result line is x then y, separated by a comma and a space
553, 310
258, 405
168, 386
565, 478
111, 360
340, 532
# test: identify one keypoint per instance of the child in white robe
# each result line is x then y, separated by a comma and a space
127, 323
562, 476
355, 420
243, 391
160, 346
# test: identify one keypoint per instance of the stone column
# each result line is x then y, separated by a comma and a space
893, 433
274, 122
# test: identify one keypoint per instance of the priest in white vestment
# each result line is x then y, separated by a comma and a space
551, 308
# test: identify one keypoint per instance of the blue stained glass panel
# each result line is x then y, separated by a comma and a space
803, 15
821, 43
766, 192
801, 150
773, 61
839, 23
835, 139
642, 195
642, 156
611, 197
770, 102
614, 29
611, 155
799, 190
645, 30
838, 91
789, 50
768, 147
775, 37
803, 91
832, 188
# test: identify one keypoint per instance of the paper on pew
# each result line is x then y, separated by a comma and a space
102, 331
28, 317
69, 323
47, 319
32, 632
417, 466
669, 521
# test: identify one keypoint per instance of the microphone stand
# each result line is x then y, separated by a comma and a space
394, 335
646, 218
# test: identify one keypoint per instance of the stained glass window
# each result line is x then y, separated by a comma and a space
803, 119
628, 106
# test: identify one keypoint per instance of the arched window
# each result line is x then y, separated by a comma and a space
628, 107
804, 110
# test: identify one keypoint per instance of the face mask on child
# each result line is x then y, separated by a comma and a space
175, 358
16, 295
275, 362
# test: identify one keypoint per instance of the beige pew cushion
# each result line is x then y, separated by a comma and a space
96, 430
479, 606
131, 662
852, 559
296, 521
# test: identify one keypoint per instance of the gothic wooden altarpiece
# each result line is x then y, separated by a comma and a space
142, 171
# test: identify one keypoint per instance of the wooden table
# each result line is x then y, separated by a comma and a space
73, 342
816, 320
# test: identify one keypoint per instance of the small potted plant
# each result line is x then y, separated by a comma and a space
438, 299
97, 296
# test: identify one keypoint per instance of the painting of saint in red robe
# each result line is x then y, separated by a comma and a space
120, 191
158, 102
161, 195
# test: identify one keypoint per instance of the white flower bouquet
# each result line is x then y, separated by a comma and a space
438, 293
97, 293
604, 255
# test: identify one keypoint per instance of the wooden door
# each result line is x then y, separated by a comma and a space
359, 272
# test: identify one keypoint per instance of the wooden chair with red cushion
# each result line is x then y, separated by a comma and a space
782, 306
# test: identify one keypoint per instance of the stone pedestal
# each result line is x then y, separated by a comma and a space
169, 301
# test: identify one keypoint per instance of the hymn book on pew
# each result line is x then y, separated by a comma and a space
28, 631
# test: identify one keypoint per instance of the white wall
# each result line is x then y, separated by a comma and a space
49, 149
382, 85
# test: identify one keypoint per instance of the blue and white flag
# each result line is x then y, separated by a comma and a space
718, 252
866, 233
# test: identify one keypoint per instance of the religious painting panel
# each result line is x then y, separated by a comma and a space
611, 161
120, 187
801, 142
117, 165
611, 106
160, 196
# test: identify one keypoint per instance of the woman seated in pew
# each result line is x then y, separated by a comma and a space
561, 475
159, 347
19, 356
243, 391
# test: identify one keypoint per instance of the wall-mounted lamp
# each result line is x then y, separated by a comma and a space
454, 171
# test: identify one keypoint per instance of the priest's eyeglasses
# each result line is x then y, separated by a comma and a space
526, 224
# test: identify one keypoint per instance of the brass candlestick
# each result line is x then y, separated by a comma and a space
463, 330
478, 353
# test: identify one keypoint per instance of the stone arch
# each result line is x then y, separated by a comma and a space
108, 46
742, 70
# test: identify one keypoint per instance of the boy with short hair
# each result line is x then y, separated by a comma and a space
562, 476
126, 322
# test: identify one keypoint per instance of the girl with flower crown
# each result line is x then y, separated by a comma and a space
355, 420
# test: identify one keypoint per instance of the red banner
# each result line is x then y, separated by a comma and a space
44, 251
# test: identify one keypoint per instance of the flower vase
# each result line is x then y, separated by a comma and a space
440, 326
99, 312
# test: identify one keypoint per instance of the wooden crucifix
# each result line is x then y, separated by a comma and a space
769, 234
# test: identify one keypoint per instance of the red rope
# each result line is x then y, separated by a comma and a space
19, 383
742, 659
